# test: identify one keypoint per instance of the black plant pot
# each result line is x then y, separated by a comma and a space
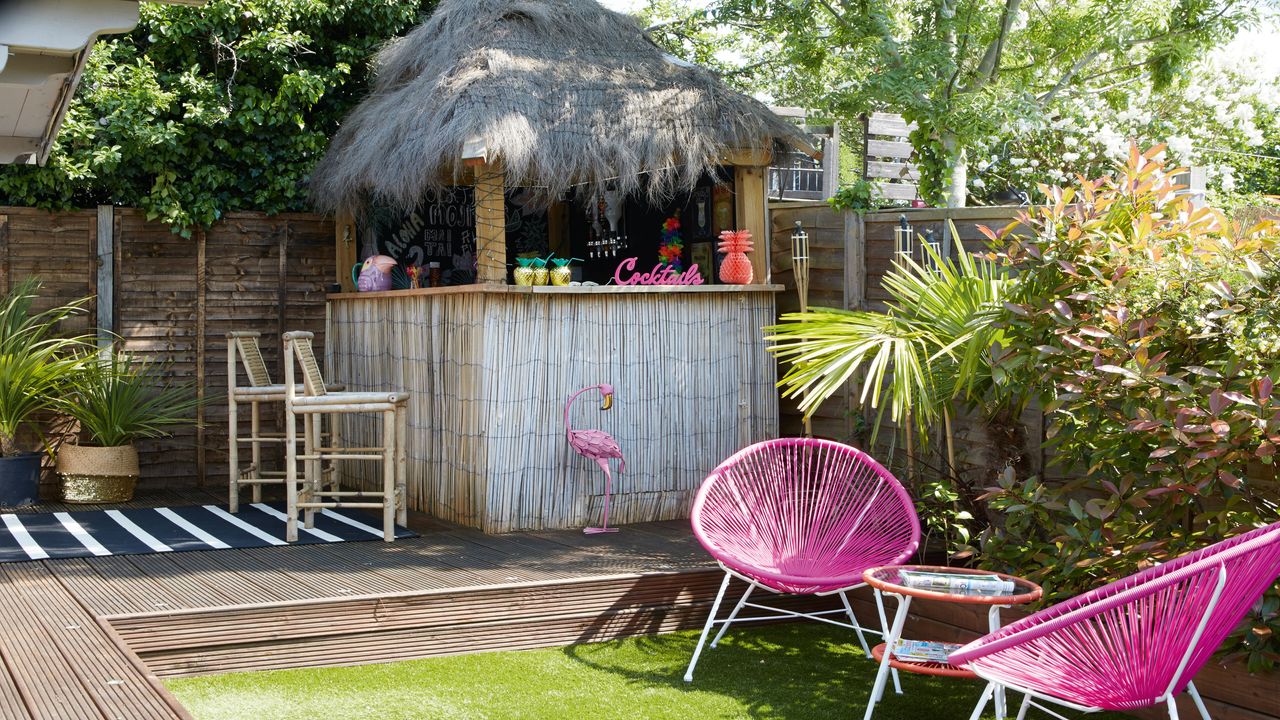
20, 480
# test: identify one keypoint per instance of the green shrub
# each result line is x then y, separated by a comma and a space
859, 196
119, 399
1151, 333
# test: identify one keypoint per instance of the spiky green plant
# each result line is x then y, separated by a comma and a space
36, 364
932, 344
119, 399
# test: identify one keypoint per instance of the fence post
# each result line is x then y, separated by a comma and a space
106, 300
855, 293
947, 219
344, 233
831, 163
202, 285
855, 261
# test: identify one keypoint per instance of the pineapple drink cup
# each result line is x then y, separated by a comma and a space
540, 272
524, 271
561, 275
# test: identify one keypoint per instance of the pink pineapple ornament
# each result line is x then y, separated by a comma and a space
375, 274
599, 446
736, 267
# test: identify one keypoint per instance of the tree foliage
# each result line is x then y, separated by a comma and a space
964, 70
1149, 332
206, 110
1220, 122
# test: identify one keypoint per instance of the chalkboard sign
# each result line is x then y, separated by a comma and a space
526, 226
442, 229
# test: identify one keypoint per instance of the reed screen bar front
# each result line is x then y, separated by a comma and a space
490, 370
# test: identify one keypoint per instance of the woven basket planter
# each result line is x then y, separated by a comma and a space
97, 474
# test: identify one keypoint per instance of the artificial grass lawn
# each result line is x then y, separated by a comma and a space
792, 671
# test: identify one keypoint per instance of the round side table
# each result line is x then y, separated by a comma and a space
889, 580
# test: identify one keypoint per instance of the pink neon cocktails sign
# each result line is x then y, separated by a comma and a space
660, 275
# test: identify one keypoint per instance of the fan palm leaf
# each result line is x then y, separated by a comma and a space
930, 346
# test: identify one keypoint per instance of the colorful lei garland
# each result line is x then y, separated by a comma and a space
671, 252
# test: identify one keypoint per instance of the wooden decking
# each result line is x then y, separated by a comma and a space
89, 638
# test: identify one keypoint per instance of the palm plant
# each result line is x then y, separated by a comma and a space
35, 363
932, 344
119, 399
935, 344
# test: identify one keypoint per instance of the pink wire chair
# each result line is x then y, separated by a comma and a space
803, 517
1133, 643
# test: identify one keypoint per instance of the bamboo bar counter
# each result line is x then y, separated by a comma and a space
490, 369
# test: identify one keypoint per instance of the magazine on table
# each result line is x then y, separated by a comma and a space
922, 651
979, 584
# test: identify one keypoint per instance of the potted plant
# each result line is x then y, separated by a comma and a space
35, 368
117, 400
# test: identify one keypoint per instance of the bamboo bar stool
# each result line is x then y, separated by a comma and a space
316, 402
243, 345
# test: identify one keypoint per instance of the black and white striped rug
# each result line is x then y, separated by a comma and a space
38, 536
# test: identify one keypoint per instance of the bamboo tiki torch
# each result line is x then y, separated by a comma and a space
800, 268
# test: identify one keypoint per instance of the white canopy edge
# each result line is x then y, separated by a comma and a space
44, 45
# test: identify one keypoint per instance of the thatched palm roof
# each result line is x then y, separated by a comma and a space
561, 92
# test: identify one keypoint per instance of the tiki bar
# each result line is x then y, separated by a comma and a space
524, 213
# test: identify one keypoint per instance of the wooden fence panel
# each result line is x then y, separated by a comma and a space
827, 230
156, 291
267, 274
175, 298
880, 247
58, 248
887, 156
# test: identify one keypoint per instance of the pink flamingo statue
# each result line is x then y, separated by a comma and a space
599, 446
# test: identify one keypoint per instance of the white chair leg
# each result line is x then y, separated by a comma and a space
1199, 701
987, 692
892, 634
993, 624
862, 639
733, 615
715, 607
1173, 707
1026, 704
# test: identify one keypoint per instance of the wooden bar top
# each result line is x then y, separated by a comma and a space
559, 290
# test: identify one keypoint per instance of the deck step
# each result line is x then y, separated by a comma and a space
423, 624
